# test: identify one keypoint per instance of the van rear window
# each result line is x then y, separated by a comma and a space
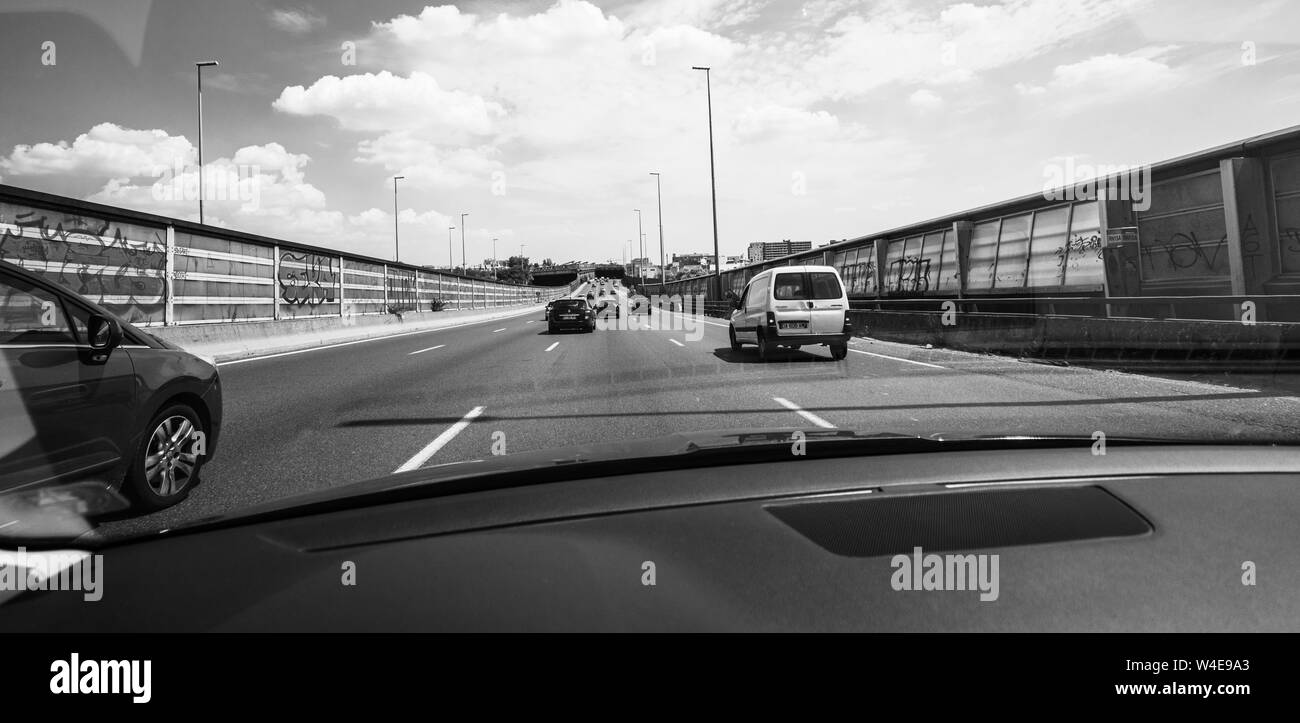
807, 285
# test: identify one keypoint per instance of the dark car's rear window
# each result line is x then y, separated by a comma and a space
807, 285
571, 304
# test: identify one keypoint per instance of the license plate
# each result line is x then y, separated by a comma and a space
568, 316
794, 325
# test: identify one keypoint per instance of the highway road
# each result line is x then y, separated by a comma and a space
320, 418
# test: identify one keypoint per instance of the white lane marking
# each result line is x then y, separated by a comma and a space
7, 524
373, 338
534, 321
678, 343
803, 413
429, 349
439, 442
696, 317
552, 346
498, 331
896, 358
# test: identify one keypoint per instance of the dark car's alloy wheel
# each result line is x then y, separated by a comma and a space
167, 464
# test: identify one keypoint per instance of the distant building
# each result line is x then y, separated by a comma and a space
761, 251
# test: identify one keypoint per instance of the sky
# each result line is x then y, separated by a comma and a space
543, 120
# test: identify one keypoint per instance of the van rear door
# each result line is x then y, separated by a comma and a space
828, 304
790, 303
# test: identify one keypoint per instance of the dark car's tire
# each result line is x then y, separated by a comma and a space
166, 465
764, 349
839, 351
731, 333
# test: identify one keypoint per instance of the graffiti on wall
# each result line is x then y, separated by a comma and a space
93, 257
910, 274
308, 279
1185, 253
1071, 255
1290, 242
402, 292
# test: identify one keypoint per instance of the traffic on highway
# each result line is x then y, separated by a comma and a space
875, 376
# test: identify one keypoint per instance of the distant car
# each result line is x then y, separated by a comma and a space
792, 306
571, 314
87, 396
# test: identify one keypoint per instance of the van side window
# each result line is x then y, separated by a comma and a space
757, 294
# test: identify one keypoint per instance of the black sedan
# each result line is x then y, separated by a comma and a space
571, 314
85, 396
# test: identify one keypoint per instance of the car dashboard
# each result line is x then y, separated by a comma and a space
1143, 538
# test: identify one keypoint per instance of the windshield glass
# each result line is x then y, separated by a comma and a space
392, 240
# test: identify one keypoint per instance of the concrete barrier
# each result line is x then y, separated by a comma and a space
229, 341
1084, 338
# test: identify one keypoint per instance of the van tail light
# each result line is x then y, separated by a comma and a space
771, 318
848, 323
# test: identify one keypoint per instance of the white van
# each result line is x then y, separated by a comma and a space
793, 306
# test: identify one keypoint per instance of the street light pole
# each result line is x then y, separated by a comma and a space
712, 177
397, 246
642, 242
463, 260
198, 69
660, 195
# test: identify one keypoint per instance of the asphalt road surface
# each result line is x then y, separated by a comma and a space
326, 417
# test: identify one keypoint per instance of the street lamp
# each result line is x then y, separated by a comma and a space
198, 69
397, 247
712, 177
463, 260
640, 236
660, 195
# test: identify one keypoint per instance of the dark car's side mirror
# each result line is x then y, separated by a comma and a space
104, 332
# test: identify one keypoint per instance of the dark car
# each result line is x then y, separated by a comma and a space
85, 396
571, 314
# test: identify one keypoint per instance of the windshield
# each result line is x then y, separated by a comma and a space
384, 240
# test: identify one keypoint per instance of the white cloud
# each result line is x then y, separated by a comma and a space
106, 150
781, 121
425, 164
1104, 79
383, 101
896, 44
925, 99
296, 20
